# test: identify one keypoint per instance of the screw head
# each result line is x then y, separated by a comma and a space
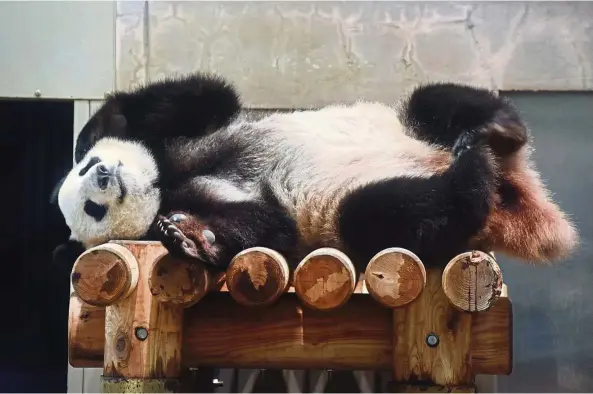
37, 93
432, 339
141, 333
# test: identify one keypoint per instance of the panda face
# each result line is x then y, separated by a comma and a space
111, 193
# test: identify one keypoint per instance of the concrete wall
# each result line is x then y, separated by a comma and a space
300, 54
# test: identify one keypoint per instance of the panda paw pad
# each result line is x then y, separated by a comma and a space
184, 236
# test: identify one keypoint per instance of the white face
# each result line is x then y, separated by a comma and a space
111, 194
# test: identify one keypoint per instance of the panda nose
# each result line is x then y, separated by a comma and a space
102, 170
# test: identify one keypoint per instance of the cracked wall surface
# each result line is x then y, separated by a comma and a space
295, 54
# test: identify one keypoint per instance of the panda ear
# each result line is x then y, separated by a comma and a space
53, 199
103, 124
188, 106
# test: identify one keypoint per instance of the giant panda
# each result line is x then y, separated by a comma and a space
444, 170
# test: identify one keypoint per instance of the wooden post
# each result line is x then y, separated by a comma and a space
257, 276
395, 277
325, 279
432, 342
143, 335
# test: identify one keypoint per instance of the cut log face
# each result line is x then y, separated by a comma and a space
104, 274
395, 277
179, 281
257, 277
325, 279
472, 281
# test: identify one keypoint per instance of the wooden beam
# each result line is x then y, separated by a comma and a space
220, 332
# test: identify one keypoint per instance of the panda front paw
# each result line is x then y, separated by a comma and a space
184, 236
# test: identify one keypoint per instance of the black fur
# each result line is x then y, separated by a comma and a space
188, 106
66, 254
433, 217
436, 217
94, 210
456, 116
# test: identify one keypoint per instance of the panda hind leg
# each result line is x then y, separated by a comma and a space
458, 117
433, 217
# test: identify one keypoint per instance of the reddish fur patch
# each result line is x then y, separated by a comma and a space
534, 228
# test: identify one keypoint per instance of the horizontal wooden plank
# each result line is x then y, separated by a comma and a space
287, 335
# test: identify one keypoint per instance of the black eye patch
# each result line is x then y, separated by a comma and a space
95, 210
89, 165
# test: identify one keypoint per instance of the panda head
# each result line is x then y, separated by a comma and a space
111, 193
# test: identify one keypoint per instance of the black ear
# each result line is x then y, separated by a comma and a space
107, 122
53, 199
188, 106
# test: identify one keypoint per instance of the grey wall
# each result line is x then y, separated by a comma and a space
553, 307
309, 53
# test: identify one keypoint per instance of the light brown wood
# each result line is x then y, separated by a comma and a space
325, 279
358, 335
428, 388
104, 274
86, 333
395, 277
287, 335
492, 337
472, 281
449, 362
257, 276
143, 335
180, 281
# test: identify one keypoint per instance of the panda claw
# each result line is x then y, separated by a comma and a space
175, 241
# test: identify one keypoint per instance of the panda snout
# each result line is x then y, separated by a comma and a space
103, 176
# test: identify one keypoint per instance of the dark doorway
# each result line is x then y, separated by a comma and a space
36, 151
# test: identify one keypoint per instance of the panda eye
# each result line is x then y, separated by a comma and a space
178, 217
89, 165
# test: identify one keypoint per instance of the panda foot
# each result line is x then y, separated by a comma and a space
505, 135
184, 236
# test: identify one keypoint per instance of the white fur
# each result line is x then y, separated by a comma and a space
128, 219
338, 148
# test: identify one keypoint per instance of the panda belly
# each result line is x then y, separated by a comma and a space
322, 156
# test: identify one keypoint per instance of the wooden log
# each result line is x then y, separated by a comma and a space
395, 277
104, 274
180, 281
325, 279
472, 281
492, 338
432, 339
143, 335
257, 276
86, 333
218, 332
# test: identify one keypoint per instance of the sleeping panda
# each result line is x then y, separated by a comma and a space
445, 170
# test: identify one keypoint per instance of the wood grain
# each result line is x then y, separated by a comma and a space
86, 333
395, 277
472, 281
159, 354
325, 279
492, 337
257, 276
179, 281
104, 274
287, 335
491, 343
448, 363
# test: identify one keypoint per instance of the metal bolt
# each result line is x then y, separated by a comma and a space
432, 340
37, 93
141, 333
